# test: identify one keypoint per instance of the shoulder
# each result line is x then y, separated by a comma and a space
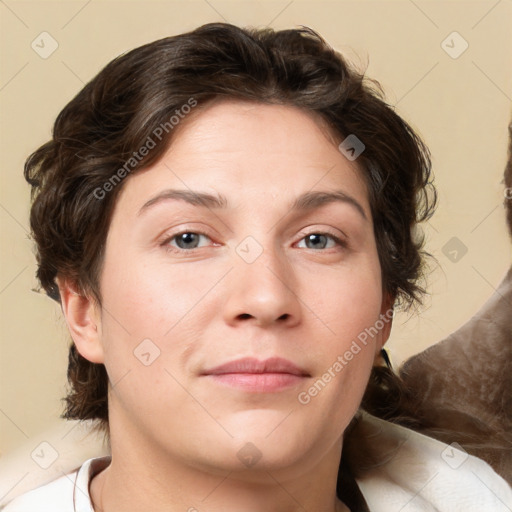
416, 473
57, 496
68, 493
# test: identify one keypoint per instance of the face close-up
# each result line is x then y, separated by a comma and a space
273, 271
227, 218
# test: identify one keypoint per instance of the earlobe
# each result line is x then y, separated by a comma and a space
83, 321
385, 322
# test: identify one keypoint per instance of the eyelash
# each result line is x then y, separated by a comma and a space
166, 243
338, 241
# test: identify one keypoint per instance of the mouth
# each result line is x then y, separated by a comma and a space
252, 375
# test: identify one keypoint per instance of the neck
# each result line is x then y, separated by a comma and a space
109, 491
139, 476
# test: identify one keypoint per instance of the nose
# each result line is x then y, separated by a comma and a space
262, 293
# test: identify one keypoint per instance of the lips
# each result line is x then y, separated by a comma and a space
255, 366
254, 375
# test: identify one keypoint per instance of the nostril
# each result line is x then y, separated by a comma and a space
246, 316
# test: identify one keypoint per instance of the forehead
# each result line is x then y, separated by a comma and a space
242, 128
244, 149
230, 113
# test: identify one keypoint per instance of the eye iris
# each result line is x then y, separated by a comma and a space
187, 240
316, 241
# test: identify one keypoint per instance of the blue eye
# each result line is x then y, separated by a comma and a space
190, 240
187, 240
320, 241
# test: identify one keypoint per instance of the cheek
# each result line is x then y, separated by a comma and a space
346, 301
347, 308
144, 330
150, 300
154, 312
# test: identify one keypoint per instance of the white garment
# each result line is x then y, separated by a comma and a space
419, 474
69, 493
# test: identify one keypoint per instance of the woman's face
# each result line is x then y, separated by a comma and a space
240, 279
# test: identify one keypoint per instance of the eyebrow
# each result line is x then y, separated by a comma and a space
306, 201
189, 196
312, 200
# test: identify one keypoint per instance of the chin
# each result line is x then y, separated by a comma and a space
264, 425
275, 437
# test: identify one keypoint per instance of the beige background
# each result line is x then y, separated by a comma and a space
461, 107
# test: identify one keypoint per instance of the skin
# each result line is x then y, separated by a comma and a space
175, 434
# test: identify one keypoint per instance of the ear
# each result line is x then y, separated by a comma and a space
386, 317
83, 320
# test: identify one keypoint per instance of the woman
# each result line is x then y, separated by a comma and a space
226, 217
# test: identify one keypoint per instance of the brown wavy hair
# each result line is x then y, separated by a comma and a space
111, 118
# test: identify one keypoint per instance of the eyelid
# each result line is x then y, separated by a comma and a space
339, 237
169, 235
